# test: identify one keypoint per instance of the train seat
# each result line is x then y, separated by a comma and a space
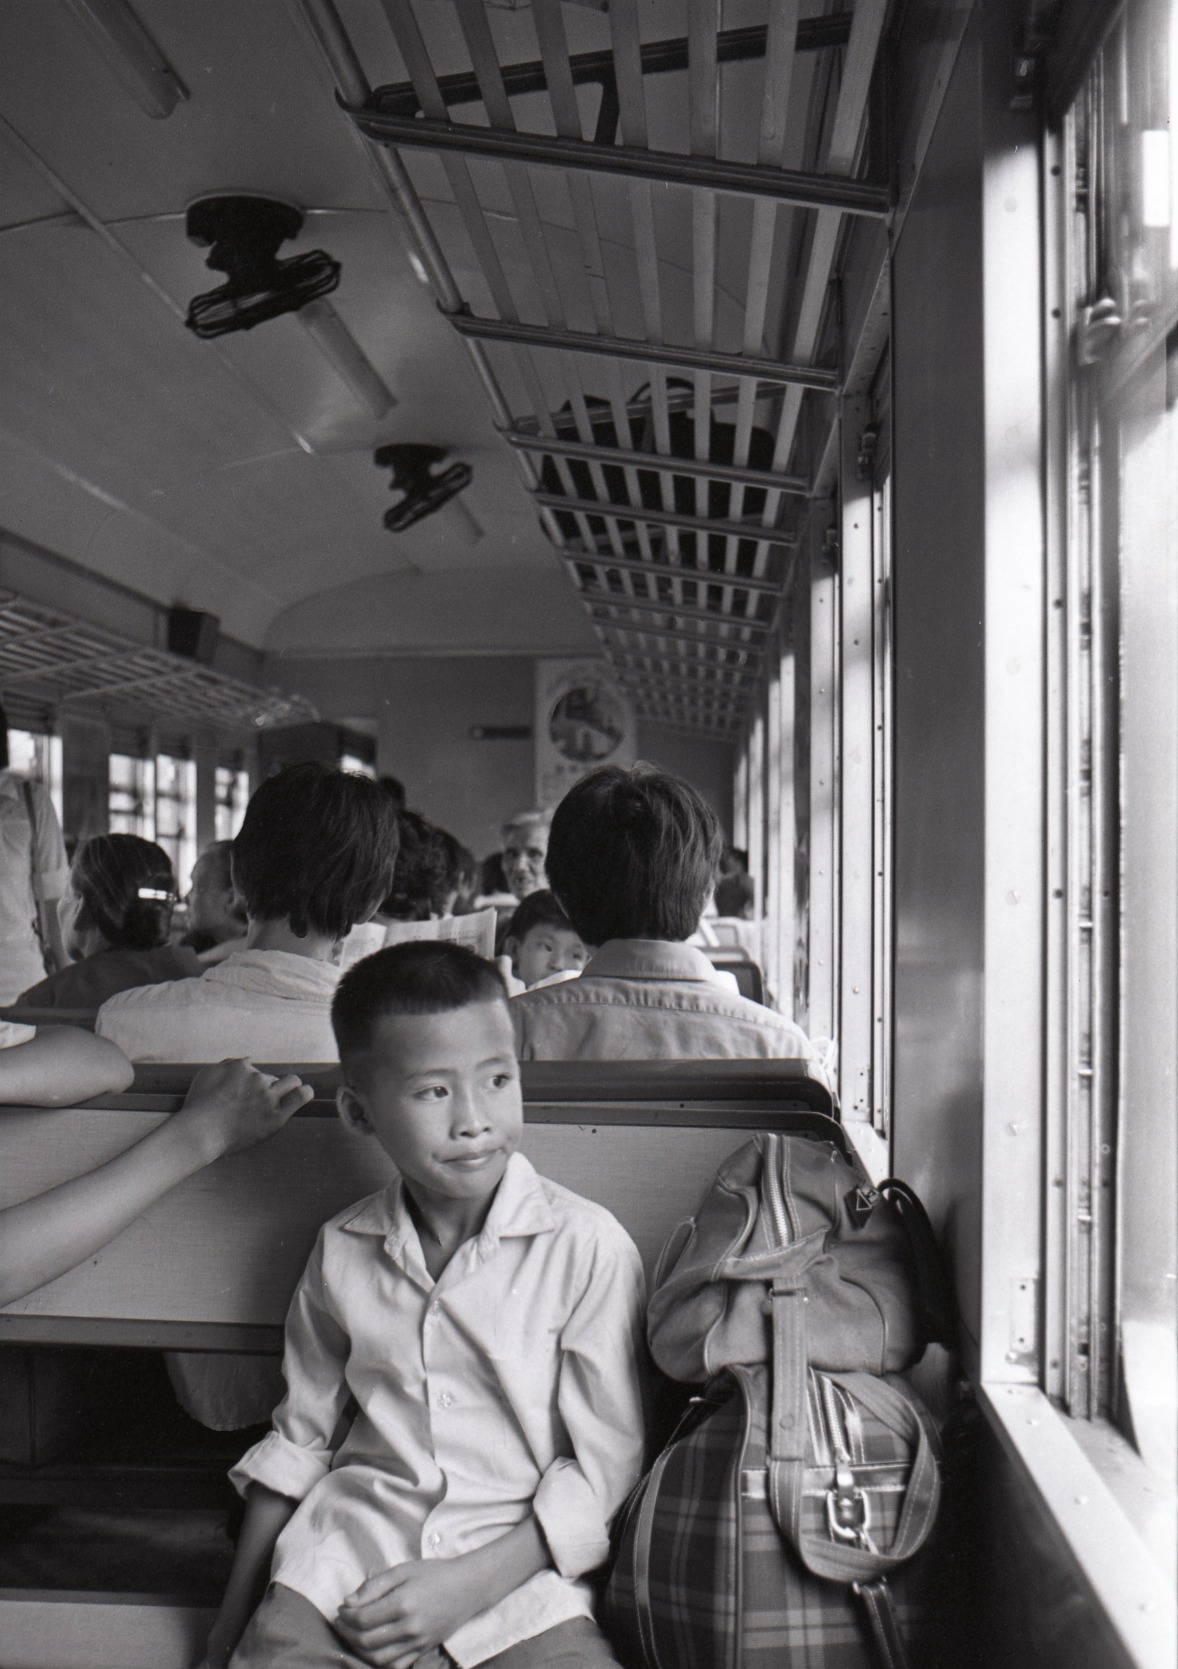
212, 1266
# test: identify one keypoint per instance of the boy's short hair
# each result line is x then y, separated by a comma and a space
423, 976
317, 847
633, 854
538, 909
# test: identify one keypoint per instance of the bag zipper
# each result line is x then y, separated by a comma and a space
776, 1196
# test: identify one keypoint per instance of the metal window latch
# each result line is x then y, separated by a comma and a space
868, 441
1096, 328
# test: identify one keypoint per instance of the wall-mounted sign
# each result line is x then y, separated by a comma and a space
583, 719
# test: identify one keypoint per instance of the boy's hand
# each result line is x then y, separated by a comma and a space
233, 1105
394, 1617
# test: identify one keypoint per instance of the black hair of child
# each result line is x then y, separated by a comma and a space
422, 976
126, 890
633, 854
420, 879
317, 847
538, 909
3, 740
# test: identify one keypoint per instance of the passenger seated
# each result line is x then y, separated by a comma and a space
632, 857
542, 944
421, 879
462, 876
463, 1415
525, 846
216, 915
315, 854
115, 915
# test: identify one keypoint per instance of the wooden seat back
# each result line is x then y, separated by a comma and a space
213, 1264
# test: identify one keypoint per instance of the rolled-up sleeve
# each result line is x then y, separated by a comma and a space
600, 1403
293, 1457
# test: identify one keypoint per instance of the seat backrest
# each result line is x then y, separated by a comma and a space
213, 1264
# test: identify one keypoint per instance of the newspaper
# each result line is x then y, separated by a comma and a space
476, 931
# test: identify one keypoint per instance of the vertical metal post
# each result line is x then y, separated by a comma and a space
857, 866
775, 770
824, 855
1014, 748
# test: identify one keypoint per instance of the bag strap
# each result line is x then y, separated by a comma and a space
787, 1416
938, 1309
788, 1429
876, 1599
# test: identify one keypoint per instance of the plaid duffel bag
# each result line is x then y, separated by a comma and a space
705, 1574
804, 1478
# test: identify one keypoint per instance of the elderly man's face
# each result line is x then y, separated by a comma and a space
524, 849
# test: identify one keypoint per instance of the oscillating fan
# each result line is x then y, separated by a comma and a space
245, 233
413, 475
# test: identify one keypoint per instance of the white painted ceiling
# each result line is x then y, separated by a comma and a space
237, 475
234, 476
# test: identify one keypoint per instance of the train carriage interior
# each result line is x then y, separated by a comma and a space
805, 374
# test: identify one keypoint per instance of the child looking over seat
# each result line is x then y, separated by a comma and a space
463, 1414
541, 943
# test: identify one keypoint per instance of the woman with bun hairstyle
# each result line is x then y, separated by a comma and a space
115, 915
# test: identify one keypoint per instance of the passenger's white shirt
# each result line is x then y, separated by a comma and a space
32, 867
269, 1004
508, 1386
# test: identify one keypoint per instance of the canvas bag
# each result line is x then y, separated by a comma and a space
807, 1470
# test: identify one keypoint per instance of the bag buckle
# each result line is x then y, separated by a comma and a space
848, 1514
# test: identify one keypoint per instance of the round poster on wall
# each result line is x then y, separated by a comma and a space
583, 720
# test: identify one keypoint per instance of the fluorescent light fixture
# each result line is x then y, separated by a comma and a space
132, 54
328, 331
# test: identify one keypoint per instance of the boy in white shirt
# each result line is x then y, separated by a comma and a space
463, 1414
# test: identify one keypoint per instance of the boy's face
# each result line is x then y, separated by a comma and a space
549, 950
441, 1094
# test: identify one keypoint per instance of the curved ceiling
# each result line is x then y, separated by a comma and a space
235, 475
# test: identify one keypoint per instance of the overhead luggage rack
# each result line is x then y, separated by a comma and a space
52, 662
664, 212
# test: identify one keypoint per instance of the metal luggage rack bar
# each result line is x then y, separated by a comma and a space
597, 68
588, 275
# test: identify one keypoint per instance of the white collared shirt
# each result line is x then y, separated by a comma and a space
650, 999
508, 1386
269, 1004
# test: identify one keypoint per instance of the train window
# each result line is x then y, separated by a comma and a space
353, 762
232, 792
37, 755
1111, 1335
132, 795
175, 813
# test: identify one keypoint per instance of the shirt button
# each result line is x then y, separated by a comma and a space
434, 1308
435, 1540
445, 1399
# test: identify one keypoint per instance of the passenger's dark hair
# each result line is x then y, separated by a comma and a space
538, 909
423, 976
461, 869
219, 855
633, 854
126, 890
734, 894
419, 883
395, 789
3, 740
317, 847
